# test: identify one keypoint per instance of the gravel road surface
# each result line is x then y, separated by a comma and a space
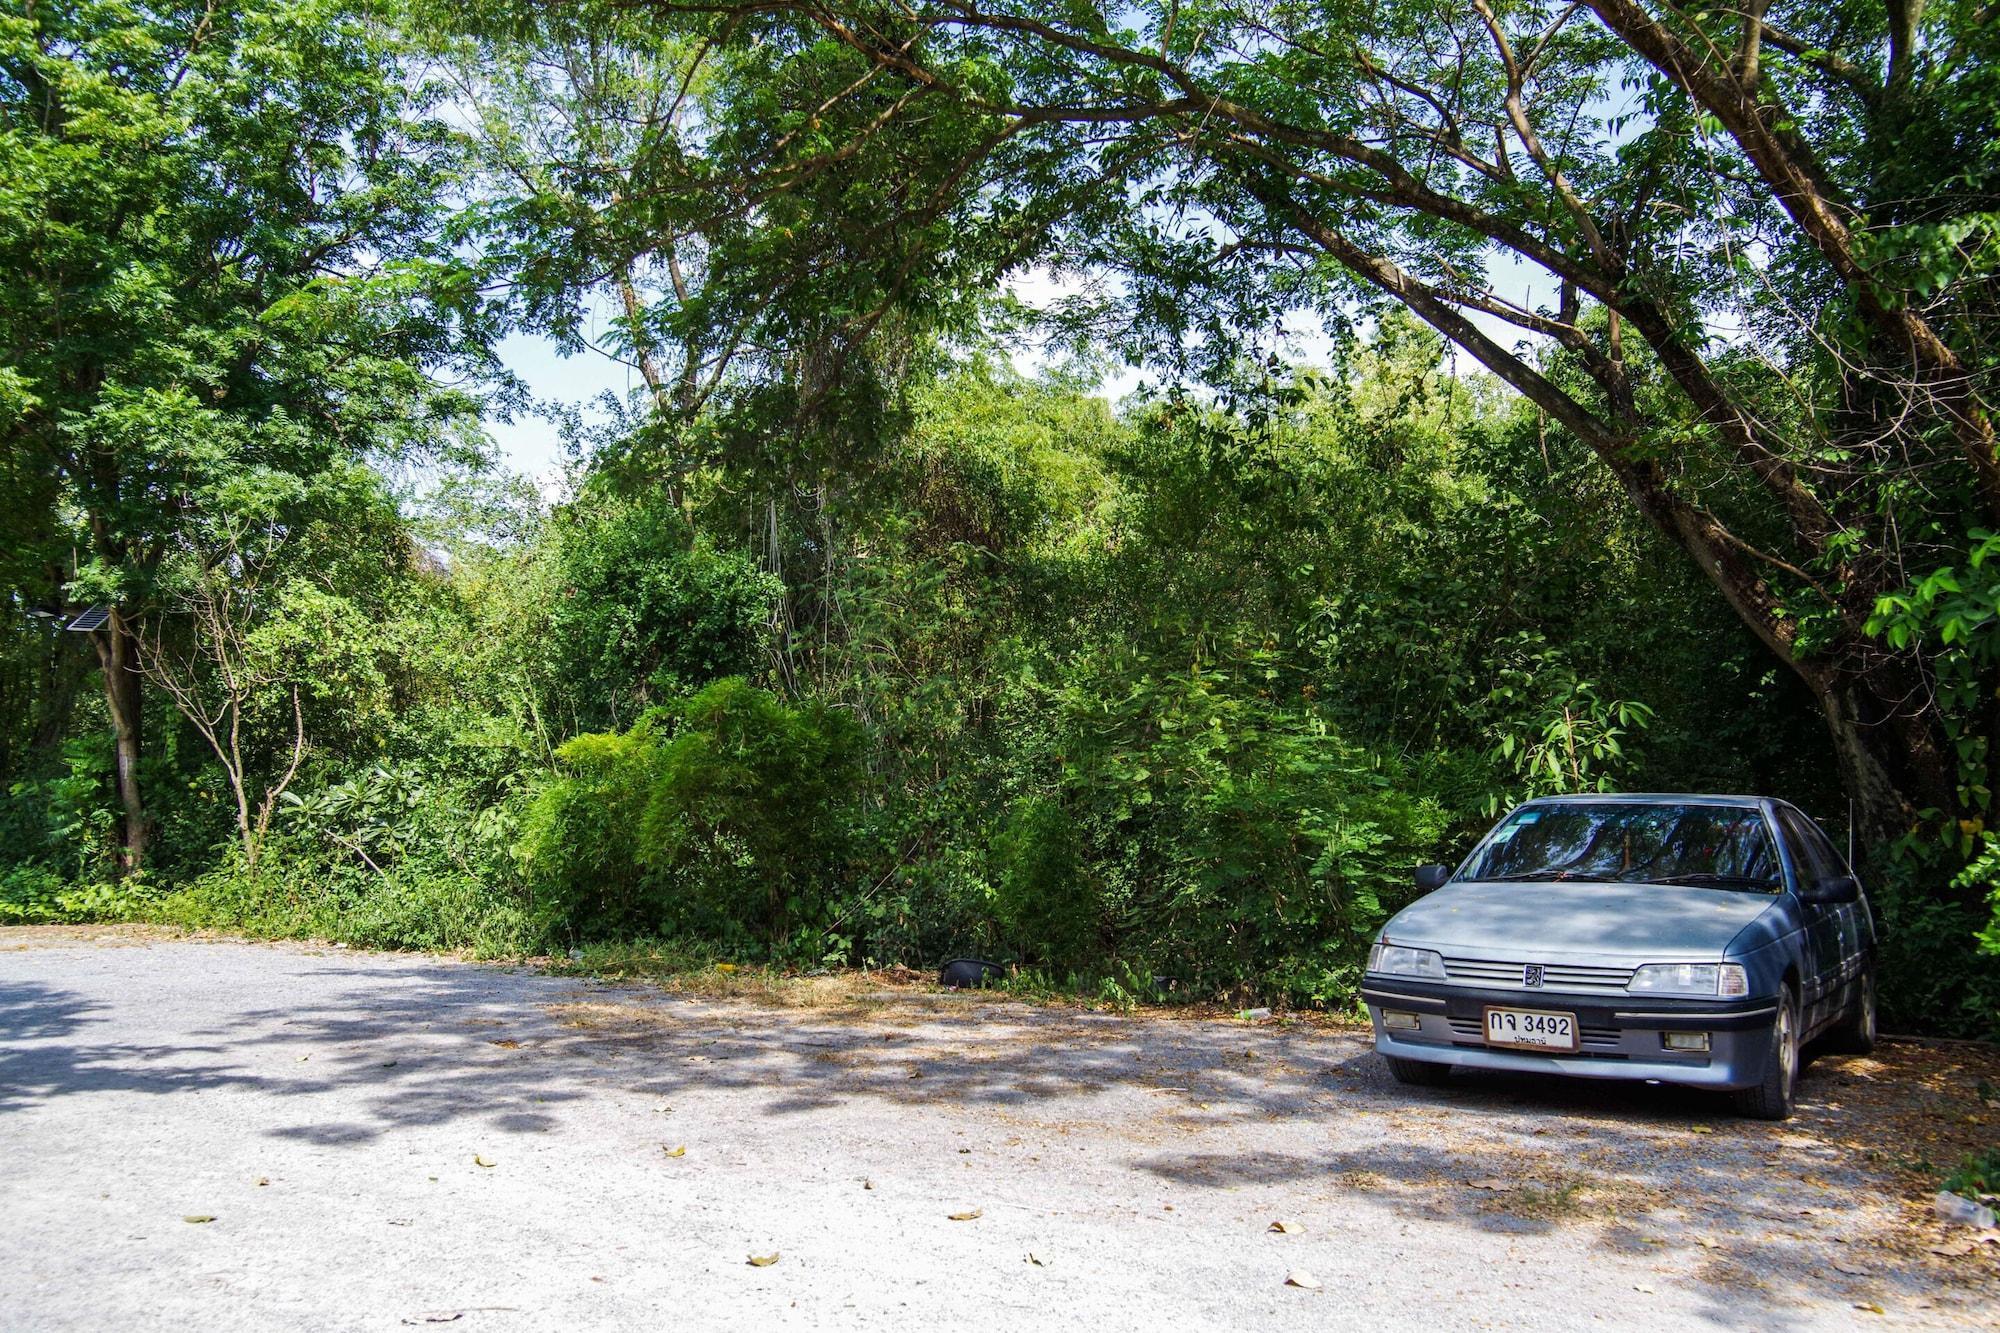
377, 1141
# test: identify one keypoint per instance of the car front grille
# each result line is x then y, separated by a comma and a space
1555, 976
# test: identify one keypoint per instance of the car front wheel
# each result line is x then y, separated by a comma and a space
1418, 1073
1771, 1099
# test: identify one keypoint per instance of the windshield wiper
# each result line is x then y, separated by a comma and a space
1701, 878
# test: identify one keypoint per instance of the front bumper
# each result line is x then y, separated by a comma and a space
1621, 1035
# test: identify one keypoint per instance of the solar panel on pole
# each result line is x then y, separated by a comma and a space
92, 619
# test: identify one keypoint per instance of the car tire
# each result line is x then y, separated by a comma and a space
1418, 1073
1771, 1099
1856, 1033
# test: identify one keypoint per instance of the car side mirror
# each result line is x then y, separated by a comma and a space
1432, 877
1834, 889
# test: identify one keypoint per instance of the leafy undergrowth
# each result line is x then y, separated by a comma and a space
1978, 1175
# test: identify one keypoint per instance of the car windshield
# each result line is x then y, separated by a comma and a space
1715, 846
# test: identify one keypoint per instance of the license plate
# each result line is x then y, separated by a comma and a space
1531, 1029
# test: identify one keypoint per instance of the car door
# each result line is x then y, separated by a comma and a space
1813, 860
1856, 928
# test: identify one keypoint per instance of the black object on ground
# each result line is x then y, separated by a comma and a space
964, 973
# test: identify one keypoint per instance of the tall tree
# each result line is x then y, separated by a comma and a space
1745, 254
774, 318
222, 268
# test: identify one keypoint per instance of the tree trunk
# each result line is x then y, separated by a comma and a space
1894, 758
123, 693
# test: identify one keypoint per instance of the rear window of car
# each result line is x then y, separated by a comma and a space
1719, 846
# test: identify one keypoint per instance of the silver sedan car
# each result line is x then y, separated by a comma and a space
1696, 940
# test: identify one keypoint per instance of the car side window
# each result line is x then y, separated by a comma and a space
1812, 854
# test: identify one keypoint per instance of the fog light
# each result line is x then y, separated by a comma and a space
1392, 1018
1686, 1041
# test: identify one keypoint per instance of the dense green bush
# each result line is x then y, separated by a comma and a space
729, 815
32, 893
1196, 829
641, 608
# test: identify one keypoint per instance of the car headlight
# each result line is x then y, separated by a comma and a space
1721, 980
1396, 961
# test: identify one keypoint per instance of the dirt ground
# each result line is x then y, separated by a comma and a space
203, 1133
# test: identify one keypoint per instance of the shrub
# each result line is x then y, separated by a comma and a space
729, 817
1978, 1174
428, 908
643, 609
1934, 974
30, 893
1195, 829
1046, 903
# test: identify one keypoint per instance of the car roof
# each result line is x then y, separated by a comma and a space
1652, 798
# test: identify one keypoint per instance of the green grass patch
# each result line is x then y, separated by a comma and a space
1978, 1174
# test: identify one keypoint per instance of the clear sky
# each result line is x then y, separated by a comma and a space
530, 444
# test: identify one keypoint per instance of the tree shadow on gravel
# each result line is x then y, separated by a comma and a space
1202, 1104
1648, 1171
45, 1053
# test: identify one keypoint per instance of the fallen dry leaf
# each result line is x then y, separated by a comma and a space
477, 1160
1869, 1306
679, 1151
1851, 1270
1286, 1228
199, 1217
1708, 1242
1498, 1185
1701, 1129
1035, 1260
1298, 1277
508, 1044
967, 1217
763, 1260
1953, 1249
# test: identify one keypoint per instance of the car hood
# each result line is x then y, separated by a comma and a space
1581, 919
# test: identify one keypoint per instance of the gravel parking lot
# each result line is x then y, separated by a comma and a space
218, 1135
